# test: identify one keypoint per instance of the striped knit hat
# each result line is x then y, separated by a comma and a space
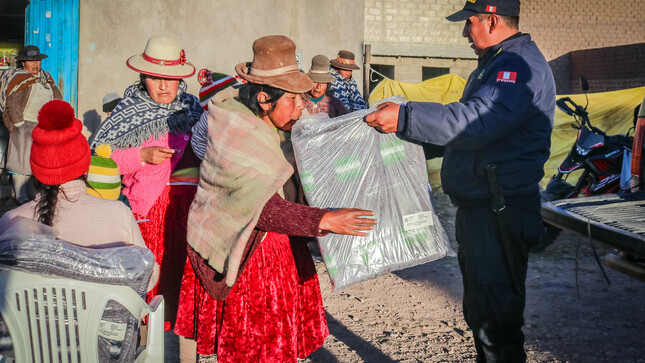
104, 178
212, 83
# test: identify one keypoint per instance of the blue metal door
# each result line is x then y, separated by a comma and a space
52, 25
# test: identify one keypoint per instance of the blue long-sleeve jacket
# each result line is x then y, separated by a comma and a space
504, 117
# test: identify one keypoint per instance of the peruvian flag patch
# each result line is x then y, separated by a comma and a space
491, 9
510, 77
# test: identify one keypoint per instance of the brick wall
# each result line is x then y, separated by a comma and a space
563, 26
574, 35
412, 21
606, 69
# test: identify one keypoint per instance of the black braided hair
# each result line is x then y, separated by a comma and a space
46, 206
48, 197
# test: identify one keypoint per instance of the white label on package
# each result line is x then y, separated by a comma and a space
417, 220
114, 331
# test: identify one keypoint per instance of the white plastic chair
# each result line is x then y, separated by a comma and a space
37, 323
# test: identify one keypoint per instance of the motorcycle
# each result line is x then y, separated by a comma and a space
598, 156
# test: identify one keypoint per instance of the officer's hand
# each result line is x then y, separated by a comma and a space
386, 118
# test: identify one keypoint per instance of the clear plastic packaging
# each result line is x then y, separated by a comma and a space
32, 247
344, 163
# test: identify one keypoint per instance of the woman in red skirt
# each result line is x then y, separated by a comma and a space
256, 297
150, 130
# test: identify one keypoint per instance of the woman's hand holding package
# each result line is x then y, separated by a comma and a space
351, 221
155, 154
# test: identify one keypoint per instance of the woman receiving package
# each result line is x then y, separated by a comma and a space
60, 159
149, 131
262, 298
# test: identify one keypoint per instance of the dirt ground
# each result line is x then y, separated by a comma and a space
414, 315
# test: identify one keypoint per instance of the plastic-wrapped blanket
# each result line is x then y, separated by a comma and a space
343, 163
31, 247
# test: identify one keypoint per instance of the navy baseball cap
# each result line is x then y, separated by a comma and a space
499, 7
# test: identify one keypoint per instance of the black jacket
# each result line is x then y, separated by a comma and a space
504, 117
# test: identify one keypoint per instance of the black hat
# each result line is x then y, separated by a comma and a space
499, 7
110, 101
30, 53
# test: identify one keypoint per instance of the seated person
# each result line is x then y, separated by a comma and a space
60, 160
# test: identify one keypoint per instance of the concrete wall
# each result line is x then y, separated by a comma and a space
216, 34
410, 69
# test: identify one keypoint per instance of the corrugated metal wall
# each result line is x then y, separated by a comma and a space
52, 25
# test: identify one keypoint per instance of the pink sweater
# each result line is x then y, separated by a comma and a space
143, 182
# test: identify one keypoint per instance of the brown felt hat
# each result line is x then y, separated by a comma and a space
345, 60
319, 71
274, 64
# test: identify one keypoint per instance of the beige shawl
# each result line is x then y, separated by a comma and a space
242, 168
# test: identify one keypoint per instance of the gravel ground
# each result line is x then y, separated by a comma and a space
414, 315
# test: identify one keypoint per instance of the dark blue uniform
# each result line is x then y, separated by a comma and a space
504, 118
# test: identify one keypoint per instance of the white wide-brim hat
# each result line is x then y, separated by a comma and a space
163, 57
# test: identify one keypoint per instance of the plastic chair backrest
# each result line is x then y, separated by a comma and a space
53, 319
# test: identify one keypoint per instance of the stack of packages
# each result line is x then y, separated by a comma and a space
344, 163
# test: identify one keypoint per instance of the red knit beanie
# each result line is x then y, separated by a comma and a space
59, 152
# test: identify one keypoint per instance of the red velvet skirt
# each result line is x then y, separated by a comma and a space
165, 236
273, 313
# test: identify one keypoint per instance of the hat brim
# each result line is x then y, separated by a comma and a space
32, 58
347, 67
294, 82
321, 77
178, 71
461, 15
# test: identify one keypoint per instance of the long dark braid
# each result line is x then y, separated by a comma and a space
46, 206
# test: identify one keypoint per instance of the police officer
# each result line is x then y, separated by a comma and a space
503, 119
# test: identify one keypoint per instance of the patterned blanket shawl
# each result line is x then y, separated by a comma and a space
14, 80
243, 167
137, 116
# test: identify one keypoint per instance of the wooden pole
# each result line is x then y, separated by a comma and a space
367, 59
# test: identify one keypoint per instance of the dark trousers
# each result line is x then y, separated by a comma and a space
492, 309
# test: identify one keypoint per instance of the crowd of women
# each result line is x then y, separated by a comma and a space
212, 194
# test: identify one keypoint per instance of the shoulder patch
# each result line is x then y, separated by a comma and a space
509, 77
